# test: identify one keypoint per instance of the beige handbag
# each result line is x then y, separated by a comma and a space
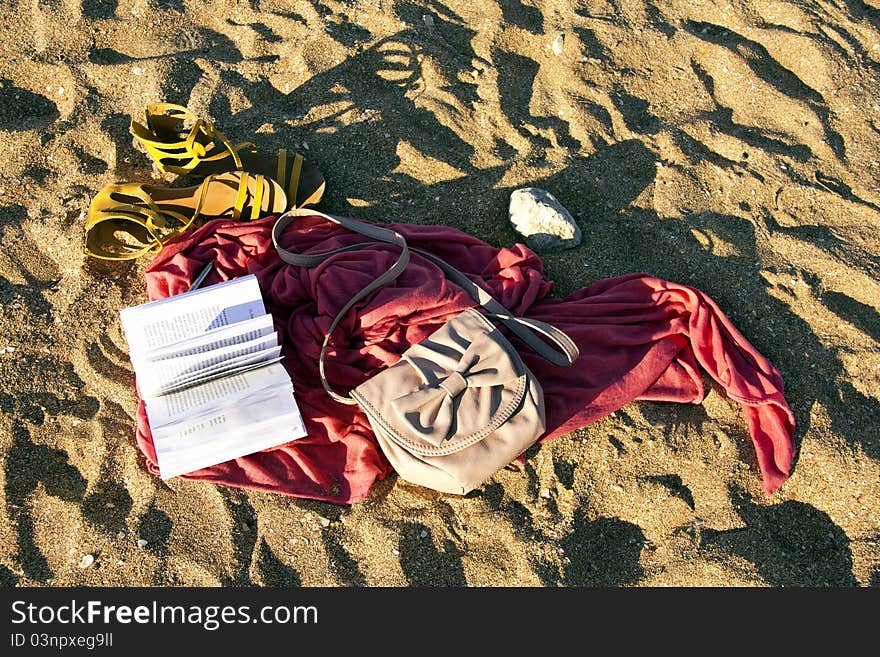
461, 404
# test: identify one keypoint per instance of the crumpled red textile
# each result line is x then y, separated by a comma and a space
640, 338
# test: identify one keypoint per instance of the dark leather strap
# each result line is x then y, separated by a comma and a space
525, 329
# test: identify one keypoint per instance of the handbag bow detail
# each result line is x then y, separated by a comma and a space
430, 411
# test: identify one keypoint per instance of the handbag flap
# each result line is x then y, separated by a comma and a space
450, 390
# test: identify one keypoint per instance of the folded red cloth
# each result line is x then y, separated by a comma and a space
640, 338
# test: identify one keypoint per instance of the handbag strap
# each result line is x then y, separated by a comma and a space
526, 329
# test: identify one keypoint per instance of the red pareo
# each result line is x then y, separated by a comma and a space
640, 338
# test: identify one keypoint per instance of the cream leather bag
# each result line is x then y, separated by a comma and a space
461, 404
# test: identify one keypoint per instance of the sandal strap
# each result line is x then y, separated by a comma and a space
257, 203
242, 195
200, 152
169, 110
190, 150
243, 192
97, 225
295, 171
203, 194
154, 214
151, 219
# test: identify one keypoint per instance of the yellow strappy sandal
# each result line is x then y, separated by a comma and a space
128, 220
180, 142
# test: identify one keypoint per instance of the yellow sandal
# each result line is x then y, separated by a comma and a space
128, 220
180, 142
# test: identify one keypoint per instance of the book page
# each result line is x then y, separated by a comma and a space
209, 442
227, 451
189, 403
225, 336
160, 323
157, 375
252, 410
254, 424
205, 379
231, 366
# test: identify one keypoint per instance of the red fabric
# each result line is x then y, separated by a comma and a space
640, 338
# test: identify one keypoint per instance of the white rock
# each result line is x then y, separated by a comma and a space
542, 220
86, 561
429, 20
545, 493
325, 522
137, 70
558, 44
423, 534
142, 543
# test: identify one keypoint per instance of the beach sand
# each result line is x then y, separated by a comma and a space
731, 146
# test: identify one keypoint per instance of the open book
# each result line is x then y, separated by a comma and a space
208, 369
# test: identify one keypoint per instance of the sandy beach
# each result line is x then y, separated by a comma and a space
730, 146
